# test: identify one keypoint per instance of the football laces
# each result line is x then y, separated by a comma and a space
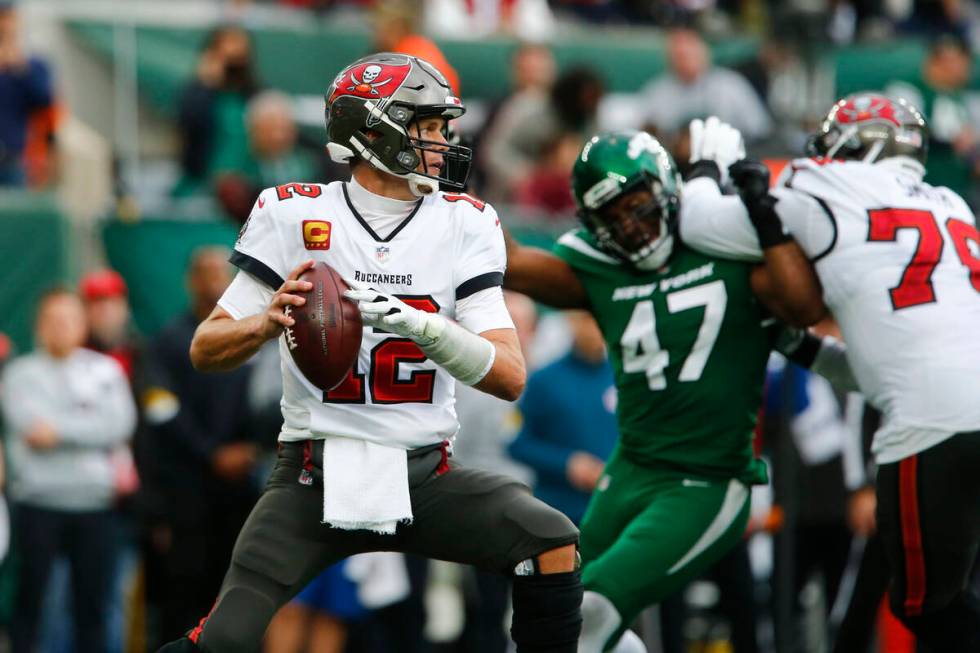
288, 331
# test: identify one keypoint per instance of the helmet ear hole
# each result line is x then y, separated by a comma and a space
401, 115
408, 159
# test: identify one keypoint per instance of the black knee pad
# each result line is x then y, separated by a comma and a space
547, 612
182, 645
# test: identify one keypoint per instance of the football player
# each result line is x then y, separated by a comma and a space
426, 268
898, 260
685, 337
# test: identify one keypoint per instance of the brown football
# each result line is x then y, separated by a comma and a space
326, 338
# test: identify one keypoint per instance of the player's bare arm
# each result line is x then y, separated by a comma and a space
789, 286
222, 343
508, 374
717, 224
542, 276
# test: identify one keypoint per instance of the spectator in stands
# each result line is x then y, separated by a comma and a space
396, 29
111, 333
548, 188
107, 310
211, 117
272, 159
66, 409
569, 427
518, 140
505, 161
344, 594
25, 89
936, 17
803, 407
200, 462
487, 425
316, 620
942, 94
694, 88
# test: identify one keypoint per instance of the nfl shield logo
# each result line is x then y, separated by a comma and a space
382, 253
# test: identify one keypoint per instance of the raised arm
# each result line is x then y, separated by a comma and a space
790, 286
542, 276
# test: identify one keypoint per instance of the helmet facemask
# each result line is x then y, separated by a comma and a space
637, 224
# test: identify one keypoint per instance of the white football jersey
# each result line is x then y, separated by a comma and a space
448, 249
898, 261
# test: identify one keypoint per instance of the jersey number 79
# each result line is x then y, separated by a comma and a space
915, 287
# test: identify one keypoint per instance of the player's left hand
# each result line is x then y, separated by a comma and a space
391, 314
714, 140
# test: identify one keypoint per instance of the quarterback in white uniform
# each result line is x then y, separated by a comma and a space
898, 261
445, 254
364, 466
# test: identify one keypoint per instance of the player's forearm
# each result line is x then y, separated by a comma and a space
507, 375
542, 276
491, 361
826, 356
794, 292
222, 344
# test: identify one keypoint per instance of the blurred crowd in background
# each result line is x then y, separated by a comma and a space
129, 474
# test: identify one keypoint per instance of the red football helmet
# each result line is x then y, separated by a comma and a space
371, 106
868, 126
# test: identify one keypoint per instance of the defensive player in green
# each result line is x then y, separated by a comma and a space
685, 337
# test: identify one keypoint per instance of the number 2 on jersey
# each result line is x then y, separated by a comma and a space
386, 358
641, 347
915, 287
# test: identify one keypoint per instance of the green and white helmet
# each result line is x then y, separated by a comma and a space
612, 166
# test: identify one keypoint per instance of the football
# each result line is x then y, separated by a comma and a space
326, 338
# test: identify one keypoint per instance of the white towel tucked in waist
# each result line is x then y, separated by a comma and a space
365, 485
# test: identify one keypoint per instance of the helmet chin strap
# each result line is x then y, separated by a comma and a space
420, 185
658, 256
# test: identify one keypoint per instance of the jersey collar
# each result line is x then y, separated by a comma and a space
367, 227
905, 165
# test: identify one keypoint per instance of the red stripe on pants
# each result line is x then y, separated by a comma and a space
195, 634
915, 566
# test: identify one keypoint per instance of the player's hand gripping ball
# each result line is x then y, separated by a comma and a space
326, 337
392, 314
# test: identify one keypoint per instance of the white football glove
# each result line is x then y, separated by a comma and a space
392, 314
714, 140
466, 356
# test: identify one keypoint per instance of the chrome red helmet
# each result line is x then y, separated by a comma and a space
869, 126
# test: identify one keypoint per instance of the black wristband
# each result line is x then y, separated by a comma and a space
768, 226
704, 168
806, 353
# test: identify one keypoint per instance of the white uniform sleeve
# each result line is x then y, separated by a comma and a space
245, 296
716, 224
260, 249
483, 311
809, 221
480, 255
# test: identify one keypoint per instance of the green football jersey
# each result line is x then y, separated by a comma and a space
688, 352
